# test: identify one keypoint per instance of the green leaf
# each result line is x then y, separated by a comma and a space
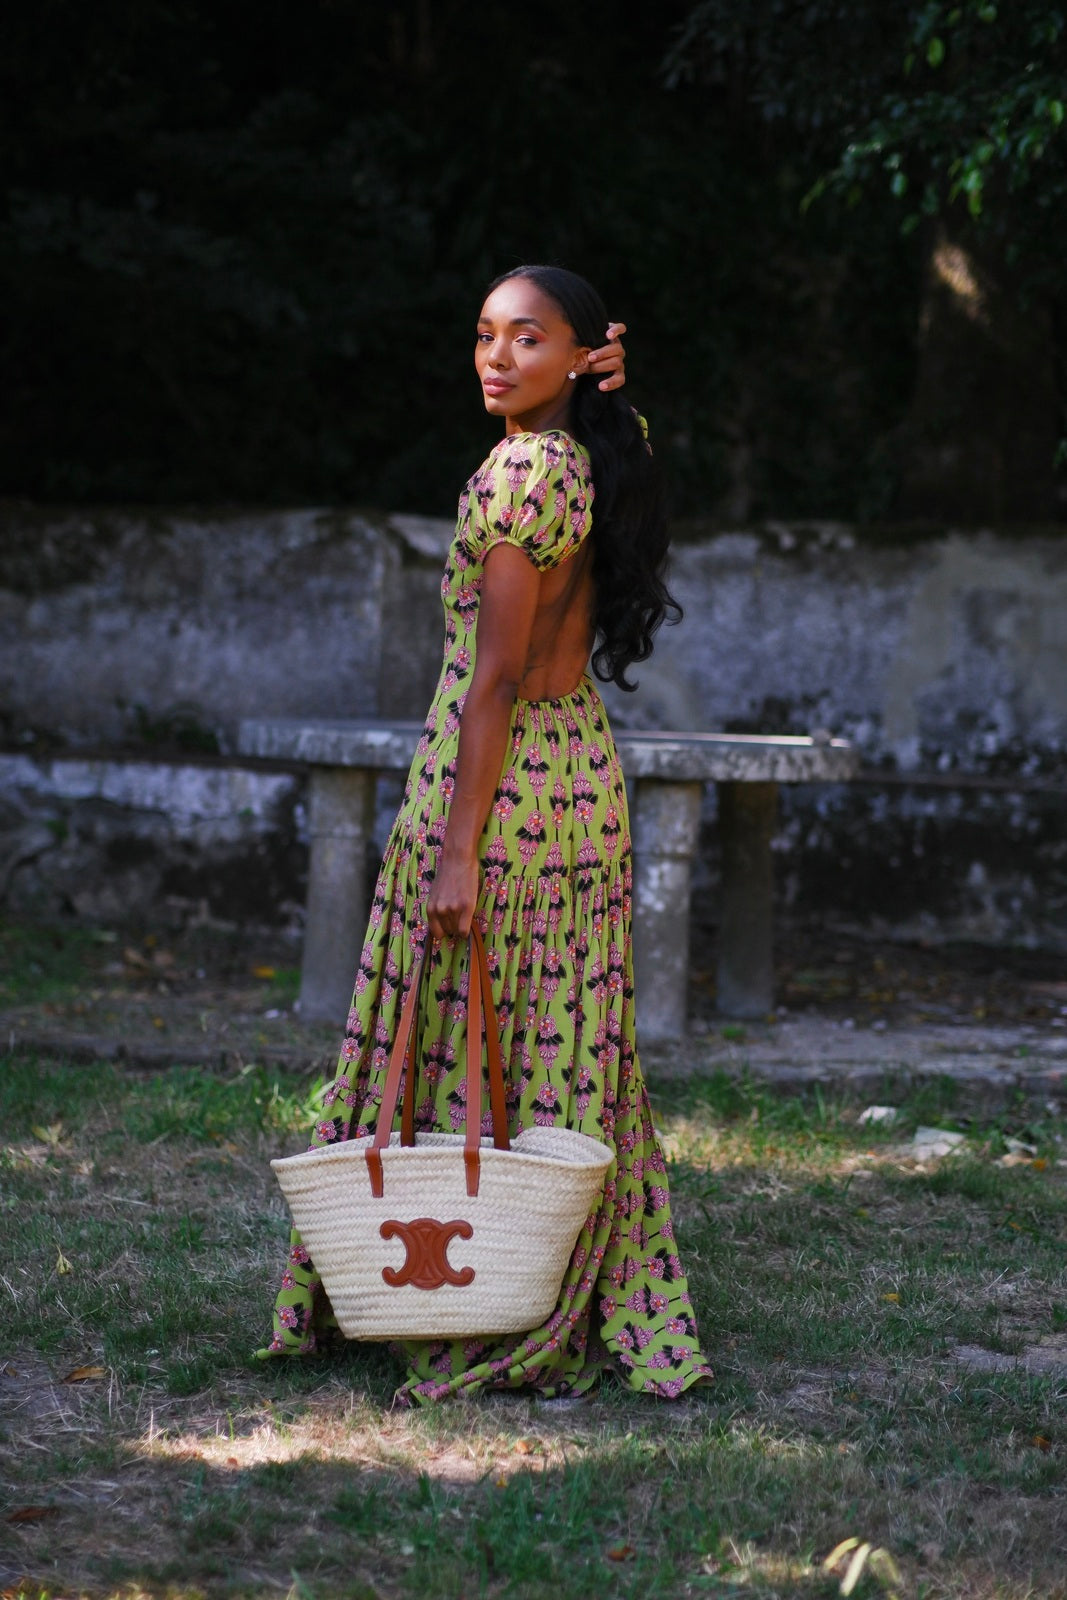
935, 51
987, 13
899, 185
1055, 111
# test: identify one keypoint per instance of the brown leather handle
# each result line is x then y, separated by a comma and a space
481, 1022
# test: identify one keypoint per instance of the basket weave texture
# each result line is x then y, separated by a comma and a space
531, 1204
437, 1235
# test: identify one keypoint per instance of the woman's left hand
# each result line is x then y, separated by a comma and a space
453, 897
609, 362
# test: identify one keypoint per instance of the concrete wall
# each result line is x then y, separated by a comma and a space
948, 655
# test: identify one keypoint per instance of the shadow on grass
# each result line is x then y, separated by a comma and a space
830, 1295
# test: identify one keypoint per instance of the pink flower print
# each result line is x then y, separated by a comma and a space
547, 1105
299, 1255
615, 1276
636, 1302
554, 863
608, 1306
288, 1318
666, 1230
625, 1338
645, 1337
659, 1197
680, 1353
672, 1387
503, 808
516, 471
658, 1303
676, 1325
653, 1266
584, 812
535, 764
326, 1131
288, 1281
659, 1359
349, 1051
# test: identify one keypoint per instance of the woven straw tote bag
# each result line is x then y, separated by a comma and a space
435, 1235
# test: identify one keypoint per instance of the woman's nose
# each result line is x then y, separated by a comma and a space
498, 354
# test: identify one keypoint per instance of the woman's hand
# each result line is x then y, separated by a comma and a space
453, 896
610, 359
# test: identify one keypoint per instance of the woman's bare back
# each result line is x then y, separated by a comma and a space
562, 635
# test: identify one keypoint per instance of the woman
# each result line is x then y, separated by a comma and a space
515, 813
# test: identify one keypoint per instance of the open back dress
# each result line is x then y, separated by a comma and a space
555, 912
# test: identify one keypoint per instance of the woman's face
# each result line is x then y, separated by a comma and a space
525, 349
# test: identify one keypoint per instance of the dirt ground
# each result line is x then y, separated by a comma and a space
221, 994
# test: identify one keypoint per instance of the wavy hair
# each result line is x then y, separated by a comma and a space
630, 533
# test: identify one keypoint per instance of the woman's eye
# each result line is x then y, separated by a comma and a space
527, 338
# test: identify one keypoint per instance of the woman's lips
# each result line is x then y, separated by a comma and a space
496, 386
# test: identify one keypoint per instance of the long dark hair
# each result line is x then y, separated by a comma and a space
630, 534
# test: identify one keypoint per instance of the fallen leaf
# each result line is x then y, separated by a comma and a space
32, 1513
877, 1114
500, 1483
1039, 1163
895, 1298
63, 1266
83, 1374
621, 1552
51, 1135
232, 1461
525, 1447
264, 972
1041, 1441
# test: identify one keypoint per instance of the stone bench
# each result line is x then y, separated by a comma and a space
665, 773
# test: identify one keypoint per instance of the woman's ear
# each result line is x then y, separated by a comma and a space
580, 361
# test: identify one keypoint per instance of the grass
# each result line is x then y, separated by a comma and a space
835, 1279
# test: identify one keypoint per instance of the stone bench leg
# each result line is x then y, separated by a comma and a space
341, 820
747, 816
666, 822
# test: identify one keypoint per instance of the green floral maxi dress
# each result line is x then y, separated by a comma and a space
555, 909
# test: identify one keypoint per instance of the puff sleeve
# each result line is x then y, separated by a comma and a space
535, 492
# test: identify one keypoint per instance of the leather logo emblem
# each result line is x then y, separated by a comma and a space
426, 1265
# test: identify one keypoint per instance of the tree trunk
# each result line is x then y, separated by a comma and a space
980, 438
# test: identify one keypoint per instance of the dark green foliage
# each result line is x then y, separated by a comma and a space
244, 249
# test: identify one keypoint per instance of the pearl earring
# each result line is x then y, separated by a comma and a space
572, 376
